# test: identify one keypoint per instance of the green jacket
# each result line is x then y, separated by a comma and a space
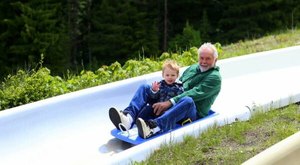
202, 87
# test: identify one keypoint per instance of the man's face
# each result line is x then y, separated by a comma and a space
206, 59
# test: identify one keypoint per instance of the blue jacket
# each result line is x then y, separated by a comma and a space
166, 92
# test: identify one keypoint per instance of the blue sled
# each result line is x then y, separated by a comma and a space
131, 136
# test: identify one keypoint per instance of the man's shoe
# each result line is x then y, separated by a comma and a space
146, 128
119, 119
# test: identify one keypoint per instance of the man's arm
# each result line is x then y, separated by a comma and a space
163, 106
206, 88
160, 107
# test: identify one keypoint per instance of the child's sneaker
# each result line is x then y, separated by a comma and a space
146, 128
119, 119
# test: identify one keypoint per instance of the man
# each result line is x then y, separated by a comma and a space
202, 84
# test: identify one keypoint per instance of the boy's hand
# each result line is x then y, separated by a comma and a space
155, 86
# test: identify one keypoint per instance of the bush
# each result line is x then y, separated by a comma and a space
26, 87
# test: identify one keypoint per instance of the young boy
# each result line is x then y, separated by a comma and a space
146, 95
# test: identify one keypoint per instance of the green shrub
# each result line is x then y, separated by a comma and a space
26, 87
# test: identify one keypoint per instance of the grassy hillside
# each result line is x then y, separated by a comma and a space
270, 42
237, 142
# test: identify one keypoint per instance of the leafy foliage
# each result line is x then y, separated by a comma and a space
29, 86
26, 87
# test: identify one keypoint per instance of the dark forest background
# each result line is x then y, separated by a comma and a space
86, 34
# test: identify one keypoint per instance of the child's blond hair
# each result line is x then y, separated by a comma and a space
172, 65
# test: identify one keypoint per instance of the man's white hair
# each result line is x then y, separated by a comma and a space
208, 45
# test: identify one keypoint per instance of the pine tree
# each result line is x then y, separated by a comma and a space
121, 30
189, 37
7, 35
34, 30
206, 28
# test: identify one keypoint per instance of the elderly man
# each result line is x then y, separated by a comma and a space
202, 84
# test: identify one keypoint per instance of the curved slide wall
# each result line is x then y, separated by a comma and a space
75, 129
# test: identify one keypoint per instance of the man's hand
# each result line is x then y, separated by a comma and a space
161, 107
155, 86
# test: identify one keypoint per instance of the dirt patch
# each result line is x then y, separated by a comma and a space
257, 136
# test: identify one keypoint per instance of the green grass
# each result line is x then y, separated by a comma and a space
233, 143
237, 142
270, 42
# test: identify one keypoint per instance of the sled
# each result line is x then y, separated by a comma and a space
131, 136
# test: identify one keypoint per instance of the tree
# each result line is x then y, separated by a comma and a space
205, 27
122, 30
32, 31
6, 37
79, 27
165, 42
187, 39
254, 18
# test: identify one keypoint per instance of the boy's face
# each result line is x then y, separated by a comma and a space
170, 75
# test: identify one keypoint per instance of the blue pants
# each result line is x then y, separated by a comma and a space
141, 107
